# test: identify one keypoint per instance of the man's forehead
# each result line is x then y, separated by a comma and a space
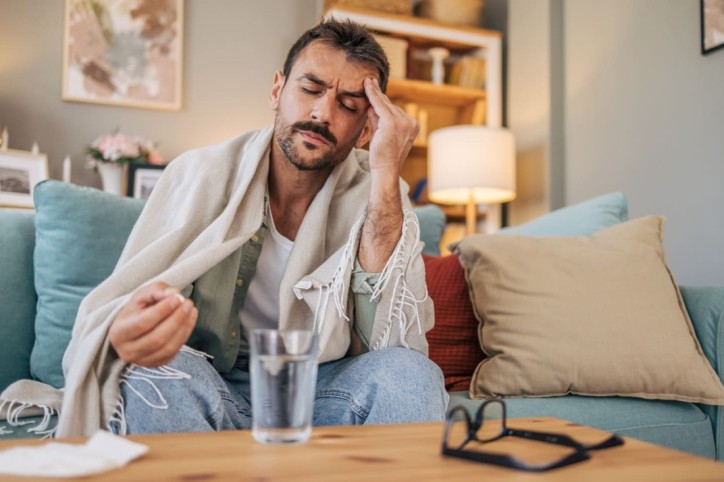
320, 59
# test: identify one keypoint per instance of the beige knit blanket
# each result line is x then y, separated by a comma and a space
209, 202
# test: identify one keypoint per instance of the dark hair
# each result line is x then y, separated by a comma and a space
352, 38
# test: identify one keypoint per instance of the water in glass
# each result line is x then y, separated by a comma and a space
282, 388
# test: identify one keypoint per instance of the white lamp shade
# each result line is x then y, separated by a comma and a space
470, 161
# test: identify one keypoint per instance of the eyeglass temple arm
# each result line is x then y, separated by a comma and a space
560, 439
513, 462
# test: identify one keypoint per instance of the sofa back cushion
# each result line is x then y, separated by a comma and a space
582, 219
17, 295
432, 224
80, 233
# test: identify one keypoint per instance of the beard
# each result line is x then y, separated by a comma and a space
325, 160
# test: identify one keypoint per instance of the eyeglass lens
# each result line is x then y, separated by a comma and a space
491, 420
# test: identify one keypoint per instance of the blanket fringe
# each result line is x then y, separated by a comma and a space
146, 375
394, 272
334, 289
403, 311
195, 352
132, 373
117, 422
336, 286
15, 411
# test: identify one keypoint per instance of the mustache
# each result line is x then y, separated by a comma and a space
319, 129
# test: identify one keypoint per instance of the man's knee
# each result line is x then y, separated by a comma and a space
399, 385
406, 370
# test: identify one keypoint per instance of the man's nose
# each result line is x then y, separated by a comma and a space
323, 108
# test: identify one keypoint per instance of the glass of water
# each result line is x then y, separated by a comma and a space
283, 382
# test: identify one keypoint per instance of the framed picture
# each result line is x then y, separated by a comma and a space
20, 171
712, 25
142, 178
126, 53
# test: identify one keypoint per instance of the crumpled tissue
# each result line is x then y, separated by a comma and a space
101, 453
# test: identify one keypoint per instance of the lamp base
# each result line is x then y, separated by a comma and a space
493, 218
471, 216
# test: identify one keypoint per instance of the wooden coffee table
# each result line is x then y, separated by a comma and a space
408, 452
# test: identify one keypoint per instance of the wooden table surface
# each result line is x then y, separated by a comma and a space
408, 452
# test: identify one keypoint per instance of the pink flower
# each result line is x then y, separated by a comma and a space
120, 148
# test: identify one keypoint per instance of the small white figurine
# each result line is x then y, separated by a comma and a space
438, 54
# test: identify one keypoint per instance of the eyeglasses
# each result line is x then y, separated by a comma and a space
461, 430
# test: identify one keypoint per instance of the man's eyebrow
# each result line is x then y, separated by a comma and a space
314, 79
359, 94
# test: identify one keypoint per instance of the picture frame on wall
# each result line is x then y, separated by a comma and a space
712, 25
125, 53
20, 171
142, 178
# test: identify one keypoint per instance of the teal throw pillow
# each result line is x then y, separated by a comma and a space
80, 233
17, 295
432, 225
581, 219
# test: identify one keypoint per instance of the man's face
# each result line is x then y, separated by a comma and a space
321, 108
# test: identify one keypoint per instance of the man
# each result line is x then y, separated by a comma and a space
287, 227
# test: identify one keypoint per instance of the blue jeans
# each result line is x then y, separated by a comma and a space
394, 385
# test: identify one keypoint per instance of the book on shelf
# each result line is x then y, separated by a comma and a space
468, 72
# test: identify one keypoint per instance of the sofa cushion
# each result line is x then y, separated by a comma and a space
596, 315
453, 339
679, 425
80, 233
432, 225
579, 219
17, 295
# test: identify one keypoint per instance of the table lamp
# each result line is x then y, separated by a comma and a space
471, 165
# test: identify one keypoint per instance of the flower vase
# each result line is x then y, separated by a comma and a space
111, 176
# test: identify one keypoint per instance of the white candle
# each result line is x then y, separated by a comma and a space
4, 146
35, 149
66, 169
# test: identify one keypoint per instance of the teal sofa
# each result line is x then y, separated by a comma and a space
51, 258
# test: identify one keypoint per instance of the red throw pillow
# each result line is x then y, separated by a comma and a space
453, 341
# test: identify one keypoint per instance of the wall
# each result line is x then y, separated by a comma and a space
529, 105
231, 50
601, 96
615, 95
644, 114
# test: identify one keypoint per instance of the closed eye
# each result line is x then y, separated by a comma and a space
352, 109
348, 108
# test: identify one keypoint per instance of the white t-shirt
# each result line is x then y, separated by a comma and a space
261, 305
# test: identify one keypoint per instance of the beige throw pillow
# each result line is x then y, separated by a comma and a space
598, 315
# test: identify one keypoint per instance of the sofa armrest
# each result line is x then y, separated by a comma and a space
705, 306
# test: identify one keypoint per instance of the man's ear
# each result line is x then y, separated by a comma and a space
276, 90
365, 135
